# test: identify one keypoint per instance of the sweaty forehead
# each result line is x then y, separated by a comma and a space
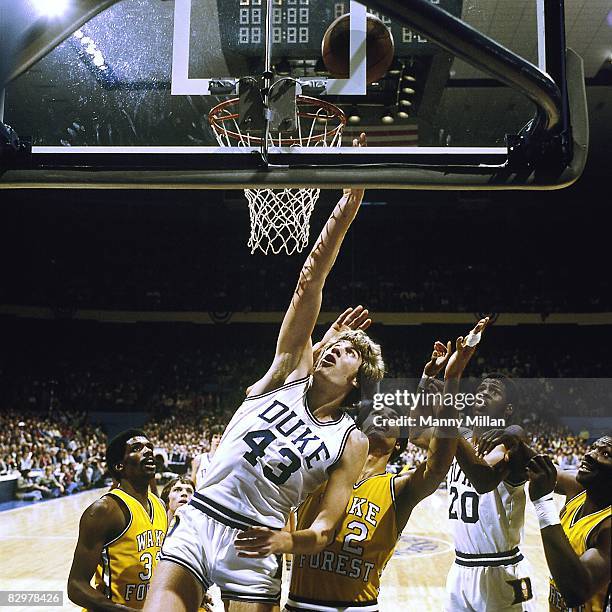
138, 440
493, 382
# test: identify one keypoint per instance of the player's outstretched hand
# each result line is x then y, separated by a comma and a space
511, 437
260, 542
542, 476
464, 349
350, 319
357, 142
439, 357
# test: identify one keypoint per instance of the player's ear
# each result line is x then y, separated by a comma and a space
355, 383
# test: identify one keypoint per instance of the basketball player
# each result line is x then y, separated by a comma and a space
346, 575
202, 462
120, 535
176, 494
487, 511
289, 435
578, 547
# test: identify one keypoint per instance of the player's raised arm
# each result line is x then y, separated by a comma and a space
412, 488
578, 576
260, 541
100, 523
294, 347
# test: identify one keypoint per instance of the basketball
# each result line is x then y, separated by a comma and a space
379, 48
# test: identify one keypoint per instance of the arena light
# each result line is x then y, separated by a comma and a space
387, 117
353, 116
403, 114
50, 8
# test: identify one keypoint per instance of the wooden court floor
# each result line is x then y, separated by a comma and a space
37, 543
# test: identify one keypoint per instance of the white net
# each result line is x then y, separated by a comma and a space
280, 218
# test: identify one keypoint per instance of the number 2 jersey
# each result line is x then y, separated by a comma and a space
128, 561
273, 454
346, 574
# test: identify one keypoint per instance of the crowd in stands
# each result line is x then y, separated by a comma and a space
56, 454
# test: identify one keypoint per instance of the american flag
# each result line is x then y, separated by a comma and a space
406, 135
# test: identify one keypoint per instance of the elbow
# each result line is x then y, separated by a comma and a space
73, 591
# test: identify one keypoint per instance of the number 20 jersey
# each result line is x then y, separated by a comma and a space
485, 523
273, 454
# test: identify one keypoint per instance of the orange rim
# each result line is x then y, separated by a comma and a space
217, 121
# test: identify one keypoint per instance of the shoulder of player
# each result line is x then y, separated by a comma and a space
355, 452
357, 442
106, 517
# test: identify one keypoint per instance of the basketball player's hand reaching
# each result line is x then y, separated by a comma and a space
464, 349
350, 319
439, 357
542, 476
511, 438
357, 193
260, 542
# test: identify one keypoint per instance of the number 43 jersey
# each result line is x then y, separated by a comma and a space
273, 454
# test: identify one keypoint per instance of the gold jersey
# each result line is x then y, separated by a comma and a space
128, 561
349, 569
578, 533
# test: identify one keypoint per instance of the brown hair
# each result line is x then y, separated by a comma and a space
165, 494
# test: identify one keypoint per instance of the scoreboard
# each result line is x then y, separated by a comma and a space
298, 27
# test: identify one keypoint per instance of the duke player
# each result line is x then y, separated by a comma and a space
288, 436
202, 462
487, 510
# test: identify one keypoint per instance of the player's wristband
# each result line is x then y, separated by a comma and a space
473, 339
546, 510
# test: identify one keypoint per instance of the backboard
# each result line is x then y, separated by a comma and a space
140, 78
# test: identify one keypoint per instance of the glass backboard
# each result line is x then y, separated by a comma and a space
142, 76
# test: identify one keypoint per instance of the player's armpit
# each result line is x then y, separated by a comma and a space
336, 496
103, 521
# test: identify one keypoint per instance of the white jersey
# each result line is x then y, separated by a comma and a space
205, 461
485, 523
273, 454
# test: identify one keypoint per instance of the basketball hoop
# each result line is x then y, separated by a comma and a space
280, 218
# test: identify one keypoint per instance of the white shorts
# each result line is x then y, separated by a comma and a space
475, 585
205, 546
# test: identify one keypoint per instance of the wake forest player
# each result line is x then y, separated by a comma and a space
487, 511
121, 534
346, 575
288, 436
578, 547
